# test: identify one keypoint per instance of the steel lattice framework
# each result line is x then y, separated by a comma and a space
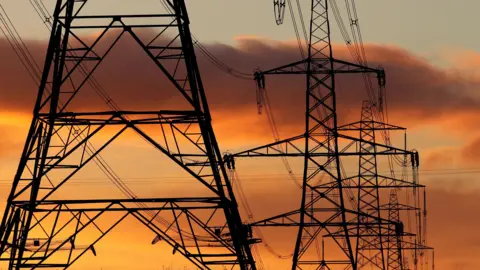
368, 193
37, 224
322, 205
378, 248
394, 255
362, 234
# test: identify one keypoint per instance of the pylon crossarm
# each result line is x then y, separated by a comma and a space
394, 182
291, 219
93, 204
341, 66
122, 117
412, 246
370, 228
377, 126
366, 233
399, 207
385, 182
405, 245
321, 66
280, 148
292, 147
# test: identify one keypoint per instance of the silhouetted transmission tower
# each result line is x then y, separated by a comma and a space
40, 221
329, 211
380, 247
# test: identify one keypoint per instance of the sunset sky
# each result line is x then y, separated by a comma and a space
429, 50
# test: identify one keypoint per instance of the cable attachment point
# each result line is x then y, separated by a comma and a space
382, 80
260, 85
229, 160
415, 158
279, 9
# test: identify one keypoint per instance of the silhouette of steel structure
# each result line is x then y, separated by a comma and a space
378, 248
362, 234
38, 223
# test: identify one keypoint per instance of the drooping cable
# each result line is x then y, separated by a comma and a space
276, 137
304, 28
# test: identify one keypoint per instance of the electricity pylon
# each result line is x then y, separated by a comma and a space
323, 205
378, 248
328, 209
370, 247
40, 221
394, 248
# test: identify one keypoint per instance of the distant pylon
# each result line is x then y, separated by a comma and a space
368, 195
381, 247
328, 210
39, 221
395, 256
373, 242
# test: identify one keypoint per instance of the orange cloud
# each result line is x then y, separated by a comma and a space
417, 91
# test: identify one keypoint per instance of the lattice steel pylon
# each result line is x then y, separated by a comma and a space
381, 247
374, 243
39, 221
324, 204
368, 194
394, 248
328, 209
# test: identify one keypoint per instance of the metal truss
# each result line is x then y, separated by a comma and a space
345, 209
323, 206
291, 147
36, 224
378, 248
394, 253
376, 228
368, 195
